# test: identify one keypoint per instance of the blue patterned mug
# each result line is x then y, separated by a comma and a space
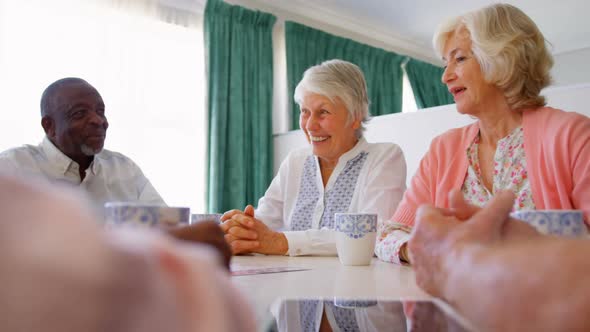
555, 222
198, 217
142, 215
355, 237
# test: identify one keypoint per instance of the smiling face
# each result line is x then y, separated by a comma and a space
77, 124
464, 77
326, 125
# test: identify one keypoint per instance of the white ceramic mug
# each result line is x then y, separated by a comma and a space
142, 215
555, 222
355, 237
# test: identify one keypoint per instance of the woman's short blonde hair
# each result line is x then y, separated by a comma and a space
338, 79
509, 48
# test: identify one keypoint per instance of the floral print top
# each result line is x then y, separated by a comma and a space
510, 172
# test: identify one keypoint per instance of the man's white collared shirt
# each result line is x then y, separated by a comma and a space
110, 177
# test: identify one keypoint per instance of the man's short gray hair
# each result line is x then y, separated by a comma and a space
48, 98
338, 79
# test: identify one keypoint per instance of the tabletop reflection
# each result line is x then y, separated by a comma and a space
351, 315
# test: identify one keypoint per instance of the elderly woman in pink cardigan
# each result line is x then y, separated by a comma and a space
496, 64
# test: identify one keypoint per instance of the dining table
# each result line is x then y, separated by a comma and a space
263, 280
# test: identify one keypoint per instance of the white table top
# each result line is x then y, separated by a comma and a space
326, 278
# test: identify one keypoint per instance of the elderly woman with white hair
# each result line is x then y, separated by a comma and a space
338, 172
496, 64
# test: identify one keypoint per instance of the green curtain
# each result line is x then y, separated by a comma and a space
238, 45
307, 47
425, 79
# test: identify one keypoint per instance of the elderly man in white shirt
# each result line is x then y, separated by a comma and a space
73, 117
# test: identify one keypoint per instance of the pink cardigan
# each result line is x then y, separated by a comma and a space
557, 149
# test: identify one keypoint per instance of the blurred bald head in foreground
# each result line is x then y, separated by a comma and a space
61, 272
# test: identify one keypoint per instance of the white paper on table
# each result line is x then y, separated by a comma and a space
251, 270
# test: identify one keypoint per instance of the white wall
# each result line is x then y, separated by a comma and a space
572, 68
414, 131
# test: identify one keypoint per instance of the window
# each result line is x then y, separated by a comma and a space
408, 99
150, 73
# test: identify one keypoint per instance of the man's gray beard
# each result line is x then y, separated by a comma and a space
88, 151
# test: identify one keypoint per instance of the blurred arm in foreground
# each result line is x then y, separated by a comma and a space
62, 272
483, 263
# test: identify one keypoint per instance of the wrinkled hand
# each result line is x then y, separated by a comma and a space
245, 234
428, 246
206, 232
227, 223
511, 229
439, 235
229, 214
